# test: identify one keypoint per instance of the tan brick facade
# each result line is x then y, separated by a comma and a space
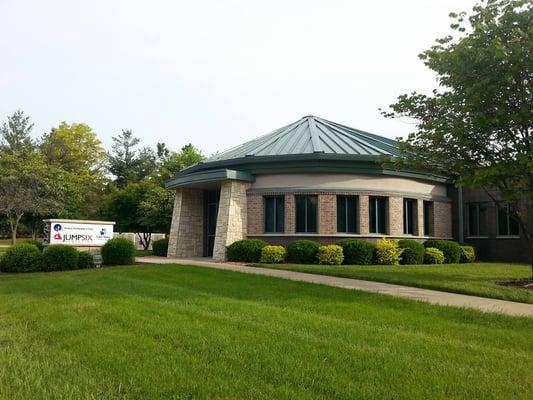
327, 214
256, 220
186, 233
442, 221
395, 216
232, 221
363, 222
290, 216
419, 213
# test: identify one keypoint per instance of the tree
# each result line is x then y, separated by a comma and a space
30, 187
76, 149
156, 209
170, 163
125, 206
15, 134
476, 127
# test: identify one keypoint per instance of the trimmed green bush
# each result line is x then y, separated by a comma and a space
85, 260
273, 254
160, 247
60, 257
433, 256
357, 252
388, 252
118, 251
330, 255
468, 254
37, 243
302, 251
413, 251
450, 249
22, 257
246, 250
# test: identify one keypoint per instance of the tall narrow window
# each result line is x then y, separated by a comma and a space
428, 217
274, 214
507, 225
408, 216
377, 214
306, 214
347, 214
477, 219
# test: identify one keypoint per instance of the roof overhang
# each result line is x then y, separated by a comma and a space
208, 176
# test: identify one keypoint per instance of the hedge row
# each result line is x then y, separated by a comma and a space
353, 252
32, 257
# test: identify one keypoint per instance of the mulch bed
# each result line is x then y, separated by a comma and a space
518, 283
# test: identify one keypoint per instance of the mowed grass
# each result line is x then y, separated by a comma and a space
479, 279
181, 332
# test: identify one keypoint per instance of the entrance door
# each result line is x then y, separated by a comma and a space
211, 211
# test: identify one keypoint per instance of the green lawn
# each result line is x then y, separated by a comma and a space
178, 332
476, 279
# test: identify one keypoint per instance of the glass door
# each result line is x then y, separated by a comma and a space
211, 211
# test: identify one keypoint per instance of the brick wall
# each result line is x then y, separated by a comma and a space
327, 214
363, 223
395, 216
186, 233
256, 220
290, 216
442, 219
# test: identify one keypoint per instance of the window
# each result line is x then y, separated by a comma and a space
408, 216
507, 225
377, 210
306, 214
477, 219
428, 217
347, 214
275, 214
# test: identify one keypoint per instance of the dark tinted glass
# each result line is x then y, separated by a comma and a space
300, 213
377, 215
408, 217
270, 216
473, 219
312, 206
280, 214
341, 214
427, 217
502, 220
382, 215
351, 209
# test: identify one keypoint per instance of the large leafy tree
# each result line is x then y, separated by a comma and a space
76, 149
476, 126
170, 163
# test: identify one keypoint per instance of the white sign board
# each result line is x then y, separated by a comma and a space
82, 233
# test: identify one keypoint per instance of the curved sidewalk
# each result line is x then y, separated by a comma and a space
427, 295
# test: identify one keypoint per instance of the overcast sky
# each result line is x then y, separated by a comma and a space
214, 73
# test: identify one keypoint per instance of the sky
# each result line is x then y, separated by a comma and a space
214, 73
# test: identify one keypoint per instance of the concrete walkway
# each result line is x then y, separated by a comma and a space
427, 295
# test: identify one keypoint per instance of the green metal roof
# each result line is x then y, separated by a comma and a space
313, 135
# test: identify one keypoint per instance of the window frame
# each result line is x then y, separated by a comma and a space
346, 199
306, 198
409, 221
477, 206
276, 222
509, 217
376, 200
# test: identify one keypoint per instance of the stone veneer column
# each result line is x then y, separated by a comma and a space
232, 217
187, 229
363, 224
395, 216
290, 216
327, 214
442, 219
419, 222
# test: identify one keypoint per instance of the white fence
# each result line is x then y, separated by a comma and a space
135, 238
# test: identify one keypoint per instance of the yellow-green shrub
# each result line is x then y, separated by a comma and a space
433, 256
468, 254
273, 254
388, 252
330, 255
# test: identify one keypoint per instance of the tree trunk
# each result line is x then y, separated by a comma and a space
145, 239
14, 224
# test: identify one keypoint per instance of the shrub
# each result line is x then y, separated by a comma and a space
22, 257
468, 254
302, 251
450, 249
160, 247
433, 256
246, 250
357, 252
330, 255
60, 257
36, 243
273, 254
118, 251
413, 252
388, 252
85, 260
